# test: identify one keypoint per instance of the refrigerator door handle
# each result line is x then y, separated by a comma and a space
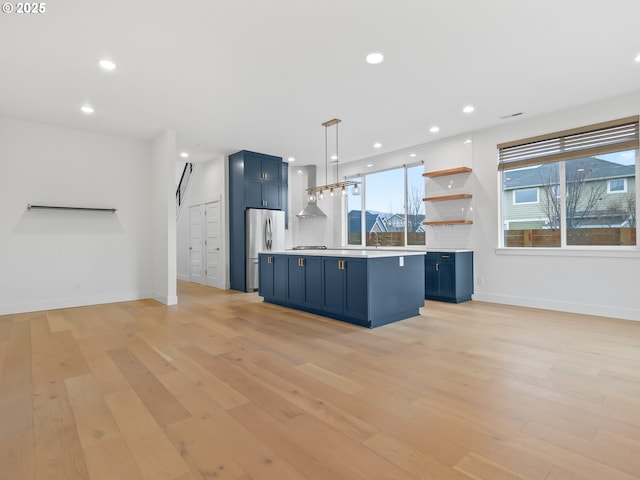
268, 234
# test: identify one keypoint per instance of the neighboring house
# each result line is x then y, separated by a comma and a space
395, 223
374, 221
383, 222
599, 194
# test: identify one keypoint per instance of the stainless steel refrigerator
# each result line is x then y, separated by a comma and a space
265, 232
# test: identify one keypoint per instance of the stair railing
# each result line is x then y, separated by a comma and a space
182, 186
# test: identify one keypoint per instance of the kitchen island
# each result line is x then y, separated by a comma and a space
365, 287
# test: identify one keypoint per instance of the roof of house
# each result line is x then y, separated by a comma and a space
370, 220
596, 169
371, 217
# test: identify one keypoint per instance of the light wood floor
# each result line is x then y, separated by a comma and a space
224, 386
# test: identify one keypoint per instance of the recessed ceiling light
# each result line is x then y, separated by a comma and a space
334, 157
468, 109
88, 109
638, 58
412, 155
291, 159
107, 65
434, 129
184, 155
377, 145
375, 58
369, 165
467, 141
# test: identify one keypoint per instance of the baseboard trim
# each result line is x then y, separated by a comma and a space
545, 304
166, 299
55, 304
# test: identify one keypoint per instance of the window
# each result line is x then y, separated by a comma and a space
354, 214
393, 208
415, 205
525, 195
556, 187
617, 185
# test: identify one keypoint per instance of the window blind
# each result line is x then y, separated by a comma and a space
592, 140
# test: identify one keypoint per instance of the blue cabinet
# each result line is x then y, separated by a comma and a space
365, 291
345, 287
263, 181
449, 276
273, 271
305, 280
256, 180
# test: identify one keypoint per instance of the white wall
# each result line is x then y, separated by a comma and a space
207, 184
312, 231
162, 210
52, 259
598, 283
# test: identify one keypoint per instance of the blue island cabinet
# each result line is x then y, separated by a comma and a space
273, 279
345, 288
305, 281
365, 291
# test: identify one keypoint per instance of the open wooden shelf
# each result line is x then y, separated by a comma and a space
449, 222
441, 198
451, 171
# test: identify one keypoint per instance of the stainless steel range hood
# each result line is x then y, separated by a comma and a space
311, 210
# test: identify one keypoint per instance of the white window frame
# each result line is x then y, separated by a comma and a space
537, 189
363, 189
624, 186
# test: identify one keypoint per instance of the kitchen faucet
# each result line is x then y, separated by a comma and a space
377, 244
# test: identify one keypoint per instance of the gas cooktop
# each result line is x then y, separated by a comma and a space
310, 247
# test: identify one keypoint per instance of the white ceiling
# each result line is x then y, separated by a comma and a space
263, 75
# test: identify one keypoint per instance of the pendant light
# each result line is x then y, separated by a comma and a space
338, 186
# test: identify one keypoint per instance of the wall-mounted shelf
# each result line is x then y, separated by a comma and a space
450, 222
56, 207
441, 198
451, 171
445, 211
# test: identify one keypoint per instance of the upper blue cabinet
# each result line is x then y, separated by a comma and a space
263, 181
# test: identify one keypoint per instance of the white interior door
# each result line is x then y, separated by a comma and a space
213, 269
196, 270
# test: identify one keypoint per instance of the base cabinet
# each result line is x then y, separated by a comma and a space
305, 280
345, 287
448, 276
273, 276
364, 291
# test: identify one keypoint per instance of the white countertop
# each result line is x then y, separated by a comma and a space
354, 253
410, 249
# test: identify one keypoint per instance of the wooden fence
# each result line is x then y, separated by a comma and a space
575, 236
388, 239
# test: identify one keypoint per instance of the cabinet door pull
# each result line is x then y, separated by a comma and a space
445, 256
437, 267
